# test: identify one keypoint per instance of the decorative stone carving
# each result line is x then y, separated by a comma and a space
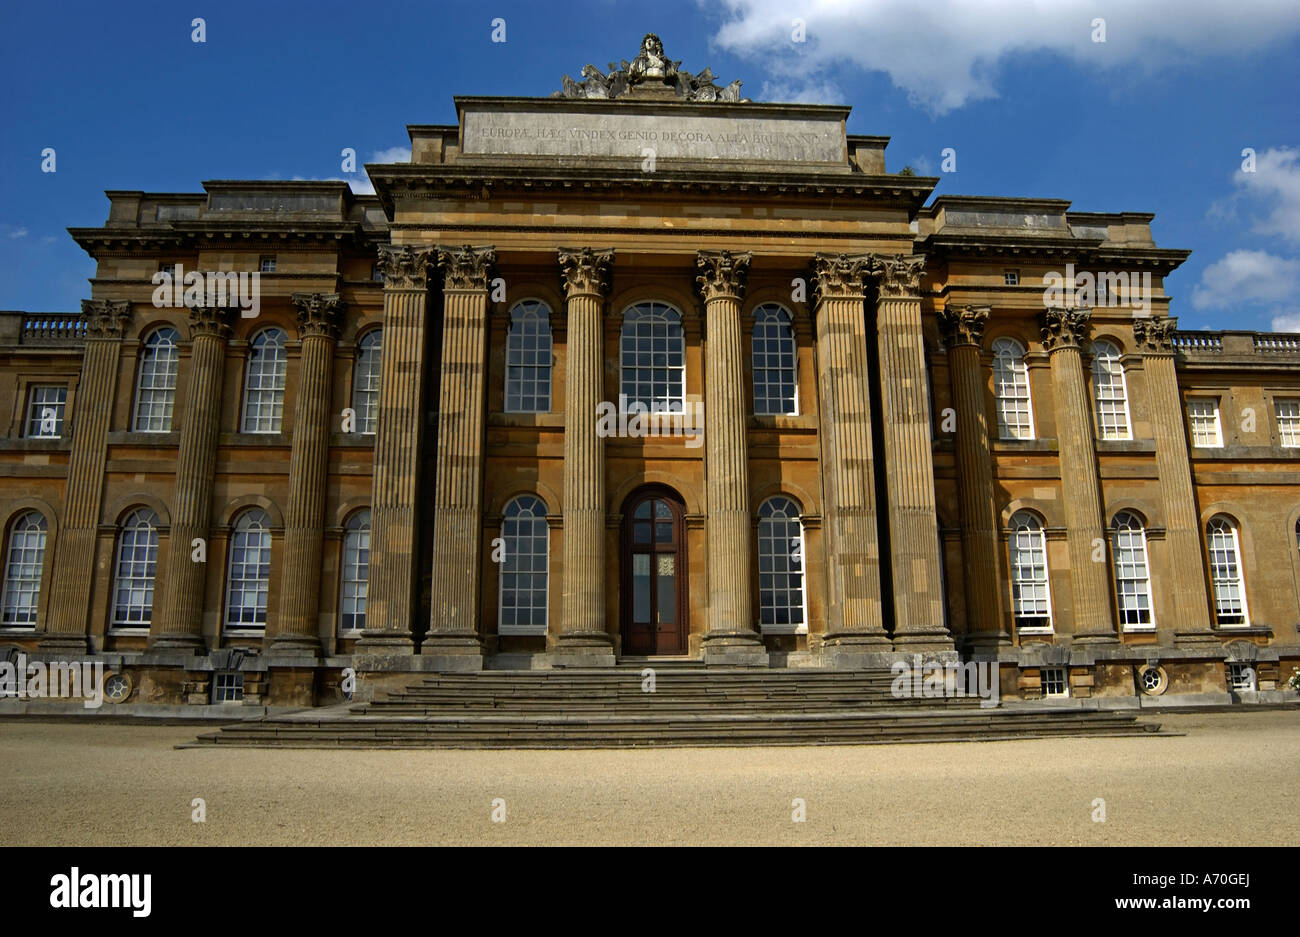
722, 273
963, 325
653, 68
319, 314
899, 275
210, 320
105, 318
840, 276
404, 267
1155, 334
583, 270
466, 268
1064, 328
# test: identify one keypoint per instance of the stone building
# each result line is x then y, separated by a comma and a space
641, 370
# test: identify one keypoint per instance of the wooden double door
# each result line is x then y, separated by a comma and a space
653, 573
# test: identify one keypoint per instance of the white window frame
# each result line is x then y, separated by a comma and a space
37, 407
267, 263
248, 522
1063, 682
1201, 439
24, 571
133, 573
1016, 368
1132, 566
652, 311
1110, 392
529, 356
777, 550
1025, 523
1288, 424
365, 381
1010, 277
774, 326
1235, 670
511, 531
263, 411
227, 687
354, 575
159, 364
1229, 575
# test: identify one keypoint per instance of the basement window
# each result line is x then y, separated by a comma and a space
228, 687
1241, 677
1011, 278
1055, 686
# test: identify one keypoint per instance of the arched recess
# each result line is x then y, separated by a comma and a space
653, 572
235, 505
808, 504
1051, 512
501, 497
123, 506
620, 493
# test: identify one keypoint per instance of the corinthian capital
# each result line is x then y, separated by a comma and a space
210, 320
105, 318
1155, 334
899, 275
840, 276
1064, 328
963, 325
722, 273
466, 268
405, 267
585, 271
319, 314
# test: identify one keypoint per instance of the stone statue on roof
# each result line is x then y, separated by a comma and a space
651, 64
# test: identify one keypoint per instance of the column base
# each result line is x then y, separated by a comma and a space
933, 639
582, 649
63, 643
735, 649
193, 643
986, 642
455, 651
384, 642
299, 646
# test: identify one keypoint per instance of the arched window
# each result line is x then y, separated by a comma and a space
1225, 572
23, 566
1132, 576
1031, 598
1110, 391
249, 572
525, 537
1011, 390
365, 382
528, 358
155, 388
356, 572
653, 357
775, 374
134, 570
780, 567
264, 383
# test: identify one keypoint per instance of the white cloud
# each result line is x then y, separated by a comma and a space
945, 53
14, 232
1288, 322
1244, 276
394, 154
1276, 183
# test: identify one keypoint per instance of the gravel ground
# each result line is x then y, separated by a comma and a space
1230, 781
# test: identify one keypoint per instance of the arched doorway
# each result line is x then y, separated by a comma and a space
652, 566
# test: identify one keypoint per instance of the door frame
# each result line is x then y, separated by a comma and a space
677, 505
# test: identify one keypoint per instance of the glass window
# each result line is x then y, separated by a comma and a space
1110, 391
134, 571
45, 407
365, 382
780, 566
1030, 595
1288, 422
525, 536
1225, 572
653, 358
775, 372
1011, 390
356, 572
1203, 414
155, 387
1132, 578
23, 567
249, 575
264, 383
528, 358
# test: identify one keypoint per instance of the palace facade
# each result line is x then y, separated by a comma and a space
642, 371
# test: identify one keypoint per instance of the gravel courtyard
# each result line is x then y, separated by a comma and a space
1230, 780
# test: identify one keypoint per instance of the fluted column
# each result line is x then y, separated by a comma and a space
390, 600
1190, 615
74, 555
731, 638
908, 438
453, 639
1064, 330
583, 637
854, 627
297, 630
963, 331
179, 622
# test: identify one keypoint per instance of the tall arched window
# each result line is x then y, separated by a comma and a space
1031, 598
780, 567
264, 383
365, 382
155, 388
525, 536
1132, 575
1110, 392
356, 572
1225, 571
249, 572
24, 563
134, 570
1011, 390
653, 357
528, 358
775, 373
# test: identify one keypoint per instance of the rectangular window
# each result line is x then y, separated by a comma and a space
266, 263
1055, 685
45, 406
1011, 278
1288, 423
1241, 677
227, 687
1203, 415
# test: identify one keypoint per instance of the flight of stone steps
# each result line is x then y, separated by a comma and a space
690, 707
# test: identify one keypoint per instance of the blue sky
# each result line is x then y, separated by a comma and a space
1153, 119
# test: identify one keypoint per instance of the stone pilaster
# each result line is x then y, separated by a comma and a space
908, 438
1063, 331
963, 332
854, 628
453, 641
583, 639
179, 622
1190, 615
74, 555
297, 631
390, 600
731, 638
